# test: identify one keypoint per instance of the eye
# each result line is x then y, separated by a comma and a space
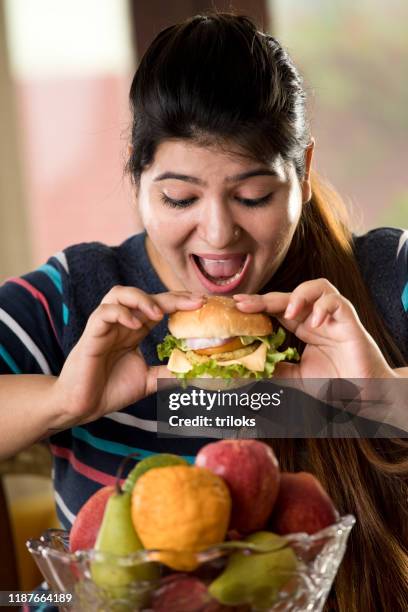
255, 202
176, 203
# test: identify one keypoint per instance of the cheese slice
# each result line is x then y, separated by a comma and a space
255, 361
178, 362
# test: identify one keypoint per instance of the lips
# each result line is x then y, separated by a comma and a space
220, 273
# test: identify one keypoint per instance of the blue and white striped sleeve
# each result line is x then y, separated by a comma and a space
33, 315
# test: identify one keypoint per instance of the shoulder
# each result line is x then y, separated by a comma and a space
380, 239
43, 286
94, 268
87, 256
134, 243
378, 249
382, 255
33, 318
100, 266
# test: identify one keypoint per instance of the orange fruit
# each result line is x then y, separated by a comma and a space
180, 510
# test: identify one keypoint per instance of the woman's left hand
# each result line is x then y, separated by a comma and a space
337, 344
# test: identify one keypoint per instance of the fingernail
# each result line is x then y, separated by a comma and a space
195, 297
315, 320
157, 310
289, 310
242, 297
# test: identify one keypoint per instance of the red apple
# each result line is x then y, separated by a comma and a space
187, 593
88, 520
303, 506
251, 471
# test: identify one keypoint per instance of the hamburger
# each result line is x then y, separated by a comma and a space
218, 340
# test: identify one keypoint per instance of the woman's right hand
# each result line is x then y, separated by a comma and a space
105, 371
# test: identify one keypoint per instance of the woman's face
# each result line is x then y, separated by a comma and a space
218, 222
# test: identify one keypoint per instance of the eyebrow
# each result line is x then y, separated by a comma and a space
230, 179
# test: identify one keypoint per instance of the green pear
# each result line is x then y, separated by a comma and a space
154, 461
256, 578
117, 536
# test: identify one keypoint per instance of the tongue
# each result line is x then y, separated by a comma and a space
221, 268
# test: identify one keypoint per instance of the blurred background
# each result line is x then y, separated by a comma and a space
66, 67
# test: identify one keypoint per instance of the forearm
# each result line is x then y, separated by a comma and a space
403, 372
29, 411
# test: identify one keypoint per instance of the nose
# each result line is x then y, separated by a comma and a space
217, 226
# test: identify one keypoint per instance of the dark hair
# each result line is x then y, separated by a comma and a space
217, 79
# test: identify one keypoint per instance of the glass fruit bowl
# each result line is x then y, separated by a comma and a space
263, 584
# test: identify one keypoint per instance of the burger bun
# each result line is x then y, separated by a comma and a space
218, 318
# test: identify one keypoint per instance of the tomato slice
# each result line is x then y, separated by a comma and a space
231, 345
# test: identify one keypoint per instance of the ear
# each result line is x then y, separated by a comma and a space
306, 183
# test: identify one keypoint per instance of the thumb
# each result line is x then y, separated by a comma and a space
155, 372
287, 370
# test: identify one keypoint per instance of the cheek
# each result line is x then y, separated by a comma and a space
163, 225
274, 231
289, 216
276, 228
294, 210
150, 216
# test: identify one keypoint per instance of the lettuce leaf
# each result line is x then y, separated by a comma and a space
165, 348
236, 370
211, 368
271, 341
273, 357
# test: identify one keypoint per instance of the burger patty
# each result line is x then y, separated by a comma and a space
246, 350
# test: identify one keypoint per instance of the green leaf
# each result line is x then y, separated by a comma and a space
273, 340
211, 368
165, 348
273, 357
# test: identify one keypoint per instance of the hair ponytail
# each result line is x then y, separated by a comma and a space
366, 477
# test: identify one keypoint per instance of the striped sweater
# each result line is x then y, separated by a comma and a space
43, 313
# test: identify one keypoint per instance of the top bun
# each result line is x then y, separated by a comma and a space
218, 318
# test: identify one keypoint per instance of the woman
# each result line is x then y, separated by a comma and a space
221, 160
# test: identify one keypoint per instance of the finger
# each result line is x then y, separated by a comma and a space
273, 303
148, 306
137, 300
301, 299
306, 294
153, 373
170, 302
336, 306
101, 320
286, 370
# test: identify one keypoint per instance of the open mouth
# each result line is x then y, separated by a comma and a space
220, 274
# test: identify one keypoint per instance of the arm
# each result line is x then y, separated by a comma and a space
31, 324
29, 410
103, 373
337, 346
